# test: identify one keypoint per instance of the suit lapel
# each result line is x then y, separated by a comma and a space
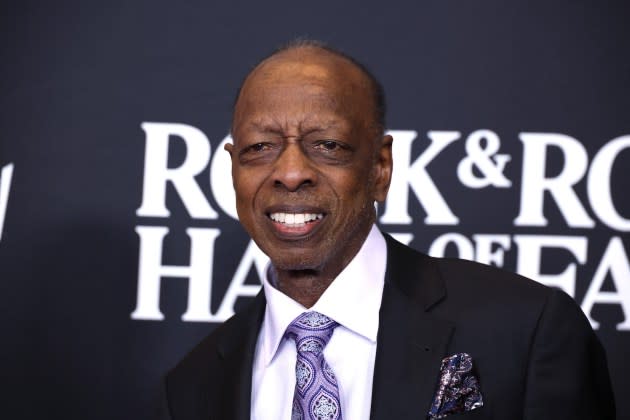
236, 349
411, 342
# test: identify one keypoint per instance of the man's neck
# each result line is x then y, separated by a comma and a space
306, 286
303, 286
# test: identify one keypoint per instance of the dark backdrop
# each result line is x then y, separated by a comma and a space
511, 134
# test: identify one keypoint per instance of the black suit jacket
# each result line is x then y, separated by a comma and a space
534, 353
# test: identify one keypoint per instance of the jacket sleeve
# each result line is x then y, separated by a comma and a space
567, 374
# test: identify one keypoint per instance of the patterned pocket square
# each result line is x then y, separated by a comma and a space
458, 389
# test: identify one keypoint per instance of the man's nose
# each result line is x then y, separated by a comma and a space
293, 169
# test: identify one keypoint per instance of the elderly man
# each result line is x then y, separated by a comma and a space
350, 323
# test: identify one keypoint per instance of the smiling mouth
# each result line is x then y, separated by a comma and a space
295, 219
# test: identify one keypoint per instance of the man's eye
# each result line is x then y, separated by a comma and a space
256, 148
259, 147
328, 145
332, 152
257, 152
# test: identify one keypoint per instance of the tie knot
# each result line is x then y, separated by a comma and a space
311, 332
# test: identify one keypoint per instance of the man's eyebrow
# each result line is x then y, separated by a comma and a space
304, 128
309, 127
266, 127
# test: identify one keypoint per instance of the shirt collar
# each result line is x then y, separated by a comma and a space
353, 299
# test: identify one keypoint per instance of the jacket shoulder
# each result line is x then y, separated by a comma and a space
431, 279
473, 278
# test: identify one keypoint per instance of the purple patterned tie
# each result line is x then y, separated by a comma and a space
316, 393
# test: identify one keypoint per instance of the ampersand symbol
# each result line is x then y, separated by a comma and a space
488, 162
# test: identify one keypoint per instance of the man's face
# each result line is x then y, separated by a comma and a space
307, 161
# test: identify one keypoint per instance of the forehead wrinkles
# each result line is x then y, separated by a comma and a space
289, 127
291, 110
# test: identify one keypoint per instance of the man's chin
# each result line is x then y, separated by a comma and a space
297, 262
285, 264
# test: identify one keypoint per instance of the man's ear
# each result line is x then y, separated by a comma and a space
229, 147
384, 166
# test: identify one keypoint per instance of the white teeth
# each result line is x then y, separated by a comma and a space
295, 218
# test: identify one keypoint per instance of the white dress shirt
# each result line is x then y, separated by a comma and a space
353, 300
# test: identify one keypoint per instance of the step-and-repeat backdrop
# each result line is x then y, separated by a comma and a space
119, 242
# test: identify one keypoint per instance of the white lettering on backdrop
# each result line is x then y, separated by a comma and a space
482, 167
5, 185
